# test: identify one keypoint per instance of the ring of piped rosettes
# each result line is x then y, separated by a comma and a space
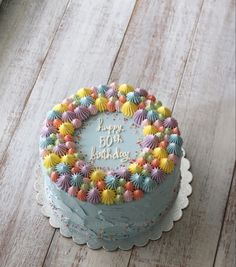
161, 145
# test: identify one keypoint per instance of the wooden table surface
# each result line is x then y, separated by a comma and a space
183, 51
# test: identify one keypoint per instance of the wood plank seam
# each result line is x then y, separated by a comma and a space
187, 59
46, 254
185, 64
222, 225
122, 41
2, 160
108, 80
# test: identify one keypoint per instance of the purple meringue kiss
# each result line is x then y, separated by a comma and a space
170, 123
86, 169
139, 116
63, 182
93, 196
157, 174
60, 150
123, 173
150, 141
111, 92
68, 116
141, 92
46, 131
82, 112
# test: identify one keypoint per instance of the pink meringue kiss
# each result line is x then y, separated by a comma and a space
93, 110
76, 123
72, 191
145, 123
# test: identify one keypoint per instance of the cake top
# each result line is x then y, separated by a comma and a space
110, 144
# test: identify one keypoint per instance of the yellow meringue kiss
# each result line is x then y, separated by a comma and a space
164, 111
108, 196
149, 129
135, 168
97, 175
69, 159
60, 107
66, 128
128, 109
160, 153
125, 89
51, 160
167, 165
101, 103
82, 92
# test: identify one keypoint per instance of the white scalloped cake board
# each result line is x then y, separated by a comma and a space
164, 225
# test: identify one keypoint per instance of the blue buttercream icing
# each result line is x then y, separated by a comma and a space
117, 221
173, 148
175, 138
152, 115
102, 89
53, 114
133, 97
112, 181
76, 179
45, 142
148, 184
86, 101
137, 180
62, 168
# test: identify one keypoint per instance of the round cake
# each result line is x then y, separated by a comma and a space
111, 162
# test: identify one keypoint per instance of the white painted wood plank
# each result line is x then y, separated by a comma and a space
205, 109
26, 31
146, 18
82, 54
156, 46
226, 254
64, 253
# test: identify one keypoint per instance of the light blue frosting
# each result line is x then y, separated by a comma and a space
102, 89
86, 101
148, 184
175, 138
45, 142
76, 179
62, 168
116, 221
91, 137
112, 181
152, 115
173, 148
53, 114
137, 180
133, 97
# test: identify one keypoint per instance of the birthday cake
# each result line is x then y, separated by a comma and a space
110, 156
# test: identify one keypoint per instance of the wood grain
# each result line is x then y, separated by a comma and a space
156, 46
82, 53
226, 253
27, 29
144, 26
205, 110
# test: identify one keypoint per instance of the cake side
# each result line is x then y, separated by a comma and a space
116, 221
